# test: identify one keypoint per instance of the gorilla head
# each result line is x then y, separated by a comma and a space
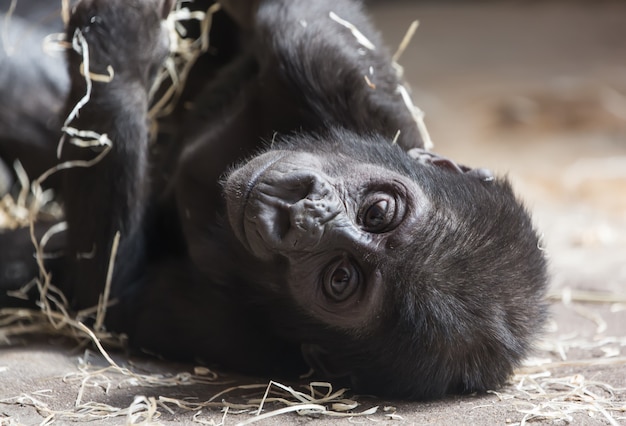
404, 276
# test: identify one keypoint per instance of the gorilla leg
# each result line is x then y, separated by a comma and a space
123, 39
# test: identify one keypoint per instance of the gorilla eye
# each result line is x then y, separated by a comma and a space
375, 215
378, 214
341, 280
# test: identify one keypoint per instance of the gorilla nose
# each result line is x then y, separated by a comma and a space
308, 217
298, 208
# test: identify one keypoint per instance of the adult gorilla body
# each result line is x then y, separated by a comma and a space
332, 245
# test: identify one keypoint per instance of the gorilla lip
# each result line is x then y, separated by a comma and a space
247, 185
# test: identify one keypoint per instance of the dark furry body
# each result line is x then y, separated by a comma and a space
456, 295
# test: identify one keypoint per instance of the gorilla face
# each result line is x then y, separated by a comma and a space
333, 217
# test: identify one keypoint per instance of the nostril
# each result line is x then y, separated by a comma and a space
299, 188
293, 209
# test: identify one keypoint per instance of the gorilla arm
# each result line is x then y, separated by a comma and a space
300, 70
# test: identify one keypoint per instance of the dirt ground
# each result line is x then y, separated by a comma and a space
535, 90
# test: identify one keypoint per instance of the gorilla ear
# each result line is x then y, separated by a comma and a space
320, 360
426, 157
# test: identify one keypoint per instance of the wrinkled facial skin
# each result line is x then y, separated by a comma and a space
334, 220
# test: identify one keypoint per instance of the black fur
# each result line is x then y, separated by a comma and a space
448, 293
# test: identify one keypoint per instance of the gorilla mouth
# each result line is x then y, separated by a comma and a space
256, 177
239, 186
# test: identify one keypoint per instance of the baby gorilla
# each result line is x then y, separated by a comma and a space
414, 281
373, 262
